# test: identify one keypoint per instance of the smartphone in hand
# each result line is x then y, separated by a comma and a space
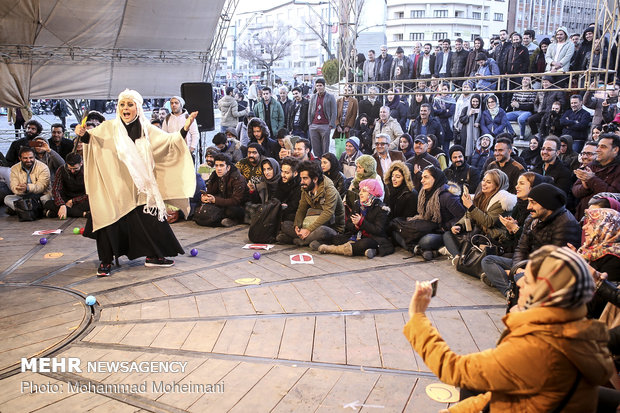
434, 283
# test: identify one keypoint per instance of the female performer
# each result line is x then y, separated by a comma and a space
130, 168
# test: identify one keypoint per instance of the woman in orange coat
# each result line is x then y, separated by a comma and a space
549, 355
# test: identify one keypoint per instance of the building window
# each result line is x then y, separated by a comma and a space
498, 17
457, 34
459, 14
416, 36
440, 35
398, 37
418, 14
486, 16
474, 36
399, 15
476, 15
440, 13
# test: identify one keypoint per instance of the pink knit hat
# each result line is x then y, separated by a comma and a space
373, 187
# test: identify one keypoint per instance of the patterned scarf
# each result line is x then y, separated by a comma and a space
601, 230
429, 210
563, 281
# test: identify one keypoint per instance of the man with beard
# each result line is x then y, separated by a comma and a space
560, 52
420, 160
61, 145
426, 63
226, 189
501, 51
370, 106
270, 111
459, 60
320, 215
549, 223
517, 62
33, 129
29, 179
460, 172
602, 175
552, 165
249, 166
68, 191
298, 114
503, 162
289, 192
322, 118
383, 155
176, 120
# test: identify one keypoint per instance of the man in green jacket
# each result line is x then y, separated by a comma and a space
320, 214
270, 111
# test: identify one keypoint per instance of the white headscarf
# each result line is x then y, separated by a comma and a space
138, 157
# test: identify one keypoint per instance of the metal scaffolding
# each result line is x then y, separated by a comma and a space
215, 50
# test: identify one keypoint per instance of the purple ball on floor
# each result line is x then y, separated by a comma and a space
256, 255
43, 241
193, 252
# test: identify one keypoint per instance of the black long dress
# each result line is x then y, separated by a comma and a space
135, 234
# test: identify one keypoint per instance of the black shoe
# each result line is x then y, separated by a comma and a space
158, 262
104, 270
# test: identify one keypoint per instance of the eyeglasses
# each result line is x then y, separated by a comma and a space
588, 153
380, 144
547, 150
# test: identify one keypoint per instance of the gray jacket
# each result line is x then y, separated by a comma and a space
330, 109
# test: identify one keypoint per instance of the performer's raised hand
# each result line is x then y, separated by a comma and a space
190, 119
80, 130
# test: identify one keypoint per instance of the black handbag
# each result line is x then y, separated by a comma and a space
209, 215
471, 254
28, 208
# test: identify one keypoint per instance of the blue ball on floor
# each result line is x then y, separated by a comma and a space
256, 255
43, 241
193, 252
90, 300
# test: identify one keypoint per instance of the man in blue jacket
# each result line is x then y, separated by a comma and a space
576, 122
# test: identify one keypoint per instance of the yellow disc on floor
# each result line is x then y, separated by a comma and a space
247, 281
443, 393
53, 255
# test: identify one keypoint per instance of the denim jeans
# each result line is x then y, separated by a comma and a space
323, 234
495, 268
431, 242
521, 116
451, 243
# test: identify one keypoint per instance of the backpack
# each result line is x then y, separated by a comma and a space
209, 215
265, 223
28, 208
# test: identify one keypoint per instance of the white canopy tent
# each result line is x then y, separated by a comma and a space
94, 49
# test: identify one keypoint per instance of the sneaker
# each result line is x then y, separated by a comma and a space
485, 279
314, 245
455, 260
417, 250
227, 222
158, 262
444, 251
370, 253
104, 270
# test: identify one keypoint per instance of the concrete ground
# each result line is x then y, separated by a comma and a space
306, 337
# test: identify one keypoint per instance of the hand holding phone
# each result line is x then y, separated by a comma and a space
434, 285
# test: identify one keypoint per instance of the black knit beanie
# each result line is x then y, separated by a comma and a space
548, 196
